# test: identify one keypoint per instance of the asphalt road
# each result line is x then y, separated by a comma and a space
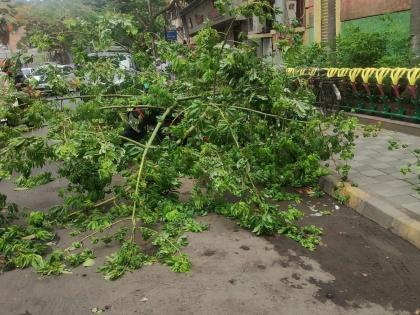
359, 268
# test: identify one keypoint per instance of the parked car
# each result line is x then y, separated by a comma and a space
22, 75
124, 65
43, 78
26, 72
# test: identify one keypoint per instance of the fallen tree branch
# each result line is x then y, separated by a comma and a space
102, 203
165, 9
97, 232
180, 99
92, 96
141, 145
141, 167
130, 106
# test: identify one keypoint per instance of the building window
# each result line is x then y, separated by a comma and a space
300, 11
295, 12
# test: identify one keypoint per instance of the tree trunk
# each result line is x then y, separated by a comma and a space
332, 30
415, 26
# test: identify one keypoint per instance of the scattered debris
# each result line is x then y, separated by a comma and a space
329, 296
306, 190
89, 262
313, 209
320, 213
317, 214
97, 310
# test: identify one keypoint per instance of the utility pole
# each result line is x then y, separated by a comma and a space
149, 8
280, 18
415, 26
332, 20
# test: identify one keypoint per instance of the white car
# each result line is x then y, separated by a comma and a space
40, 76
27, 72
123, 61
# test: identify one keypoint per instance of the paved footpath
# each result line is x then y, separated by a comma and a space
379, 190
376, 169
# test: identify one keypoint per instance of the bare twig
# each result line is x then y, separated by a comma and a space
142, 163
267, 114
100, 204
97, 232
165, 9
92, 96
141, 145
130, 106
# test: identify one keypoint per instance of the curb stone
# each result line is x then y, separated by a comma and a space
371, 206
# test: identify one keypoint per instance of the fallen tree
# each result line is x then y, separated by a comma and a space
229, 121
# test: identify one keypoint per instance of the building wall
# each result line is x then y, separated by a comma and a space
356, 9
309, 35
369, 15
380, 23
313, 15
198, 13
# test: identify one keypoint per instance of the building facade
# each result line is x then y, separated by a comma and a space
371, 16
319, 21
196, 13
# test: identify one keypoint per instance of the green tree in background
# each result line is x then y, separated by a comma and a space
7, 20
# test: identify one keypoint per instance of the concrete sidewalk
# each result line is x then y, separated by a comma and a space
380, 191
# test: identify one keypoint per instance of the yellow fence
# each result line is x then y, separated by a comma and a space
366, 74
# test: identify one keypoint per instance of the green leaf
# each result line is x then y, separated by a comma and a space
89, 262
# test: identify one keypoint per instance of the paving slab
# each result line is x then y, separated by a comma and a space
372, 173
380, 191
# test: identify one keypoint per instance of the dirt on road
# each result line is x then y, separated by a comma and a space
359, 268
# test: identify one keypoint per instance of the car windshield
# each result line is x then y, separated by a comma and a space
44, 69
26, 71
39, 71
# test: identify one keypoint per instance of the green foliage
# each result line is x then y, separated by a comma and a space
34, 181
179, 263
360, 49
229, 121
412, 167
79, 258
24, 246
22, 154
357, 48
53, 265
101, 155
301, 55
128, 258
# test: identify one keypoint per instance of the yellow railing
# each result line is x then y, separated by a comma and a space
366, 74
